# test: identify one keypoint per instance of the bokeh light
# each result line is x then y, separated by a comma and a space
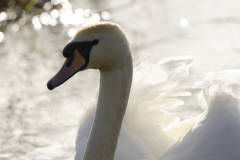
12, 16
45, 18
55, 13
47, 6
87, 12
75, 20
22, 20
66, 16
78, 17
105, 15
184, 22
51, 13
53, 22
78, 12
3, 16
67, 6
95, 18
38, 26
15, 28
54, 2
35, 20
1, 37
72, 32
62, 1
36, 23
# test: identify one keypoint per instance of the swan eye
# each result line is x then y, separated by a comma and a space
95, 41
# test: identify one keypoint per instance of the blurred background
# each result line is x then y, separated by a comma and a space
36, 124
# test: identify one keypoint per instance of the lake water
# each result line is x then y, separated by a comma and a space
40, 124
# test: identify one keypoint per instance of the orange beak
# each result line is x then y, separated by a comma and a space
70, 67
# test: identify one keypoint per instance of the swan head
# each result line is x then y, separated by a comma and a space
102, 46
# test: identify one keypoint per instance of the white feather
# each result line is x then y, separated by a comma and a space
155, 87
216, 135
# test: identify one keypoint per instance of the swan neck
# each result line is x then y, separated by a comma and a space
112, 102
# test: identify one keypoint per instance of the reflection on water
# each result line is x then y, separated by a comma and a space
68, 17
55, 12
41, 124
37, 123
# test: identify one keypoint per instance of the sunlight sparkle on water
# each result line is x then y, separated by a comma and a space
47, 6
105, 15
66, 6
184, 22
1, 37
95, 17
37, 26
76, 20
78, 17
54, 2
53, 22
72, 32
45, 18
3, 16
55, 13
78, 12
22, 20
15, 27
35, 20
66, 16
87, 12
62, 1
12, 16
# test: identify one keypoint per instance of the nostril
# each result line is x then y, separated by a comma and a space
70, 60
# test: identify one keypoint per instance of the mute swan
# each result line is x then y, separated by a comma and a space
104, 134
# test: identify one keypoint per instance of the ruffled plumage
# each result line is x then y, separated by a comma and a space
156, 87
216, 135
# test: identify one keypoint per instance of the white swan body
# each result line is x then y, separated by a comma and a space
216, 136
142, 135
103, 133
